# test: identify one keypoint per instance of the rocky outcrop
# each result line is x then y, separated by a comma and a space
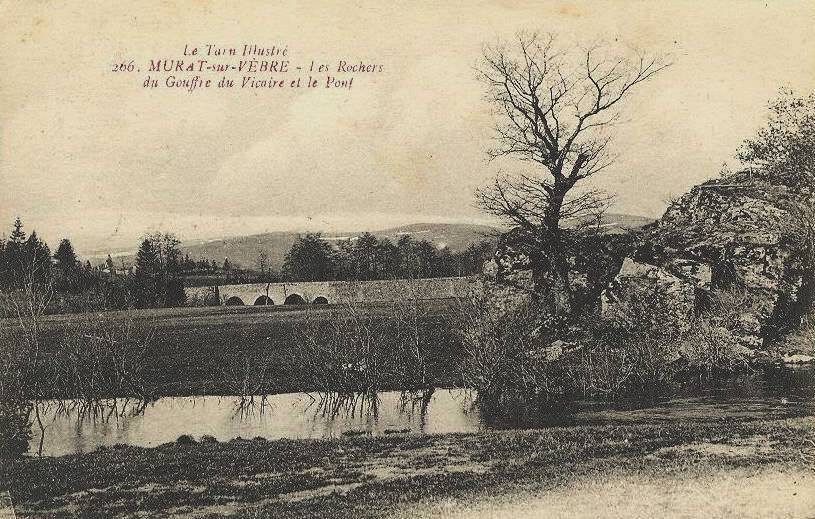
516, 271
732, 233
509, 275
726, 235
635, 280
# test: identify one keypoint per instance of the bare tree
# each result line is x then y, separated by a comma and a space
21, 356
555, 109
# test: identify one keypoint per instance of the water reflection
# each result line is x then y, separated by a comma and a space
71, 427
331, 406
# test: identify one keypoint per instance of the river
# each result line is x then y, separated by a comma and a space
69, 428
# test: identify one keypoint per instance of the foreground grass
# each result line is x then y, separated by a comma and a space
443, 475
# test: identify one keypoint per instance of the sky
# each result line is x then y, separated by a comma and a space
90, 155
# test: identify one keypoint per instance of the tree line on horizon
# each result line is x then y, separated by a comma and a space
160, 270
366, 258
156, 279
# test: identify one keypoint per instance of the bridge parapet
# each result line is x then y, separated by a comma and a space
308, 292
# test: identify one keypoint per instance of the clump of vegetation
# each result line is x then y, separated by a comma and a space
156, 279
185, 439
210, 297
641, 346
802, 339
97, 357
93, 359
15, 427
522, 352
502, 350
783, 152
711, 343
343, 354
312, 258
360, 350
247, 376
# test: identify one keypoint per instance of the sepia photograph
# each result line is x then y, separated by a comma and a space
343, 259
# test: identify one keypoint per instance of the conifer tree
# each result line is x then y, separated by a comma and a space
147, 276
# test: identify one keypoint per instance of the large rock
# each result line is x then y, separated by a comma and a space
520, 272
729, 233
638, 280
732, 233
508, 276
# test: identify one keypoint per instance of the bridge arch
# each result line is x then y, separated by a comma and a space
234, 301
294, 299
264, 301
320, 300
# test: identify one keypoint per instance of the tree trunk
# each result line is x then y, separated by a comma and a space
558, 261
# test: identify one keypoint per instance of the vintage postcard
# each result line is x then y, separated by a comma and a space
345, 259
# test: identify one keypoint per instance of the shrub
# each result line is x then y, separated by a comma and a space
210, 297
503, 349
357, 350
613, 360
97, 357
802, 339
712, 343
185, 439
15, 428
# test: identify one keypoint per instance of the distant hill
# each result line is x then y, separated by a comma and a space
615, 222
457, 237
243, 250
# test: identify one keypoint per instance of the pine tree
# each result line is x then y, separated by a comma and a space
158, 280
66, 256
68, 275
36, 265
17, 235
147, 276
13, 257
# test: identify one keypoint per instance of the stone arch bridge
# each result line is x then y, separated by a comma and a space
332, 292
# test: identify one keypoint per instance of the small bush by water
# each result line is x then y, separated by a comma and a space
15, 428
355, 350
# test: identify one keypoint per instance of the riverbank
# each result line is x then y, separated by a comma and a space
666, 470
216, 350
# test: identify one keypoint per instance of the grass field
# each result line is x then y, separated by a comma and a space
716, 469
199, 350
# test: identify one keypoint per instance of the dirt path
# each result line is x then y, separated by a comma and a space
6, 506
768, 492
